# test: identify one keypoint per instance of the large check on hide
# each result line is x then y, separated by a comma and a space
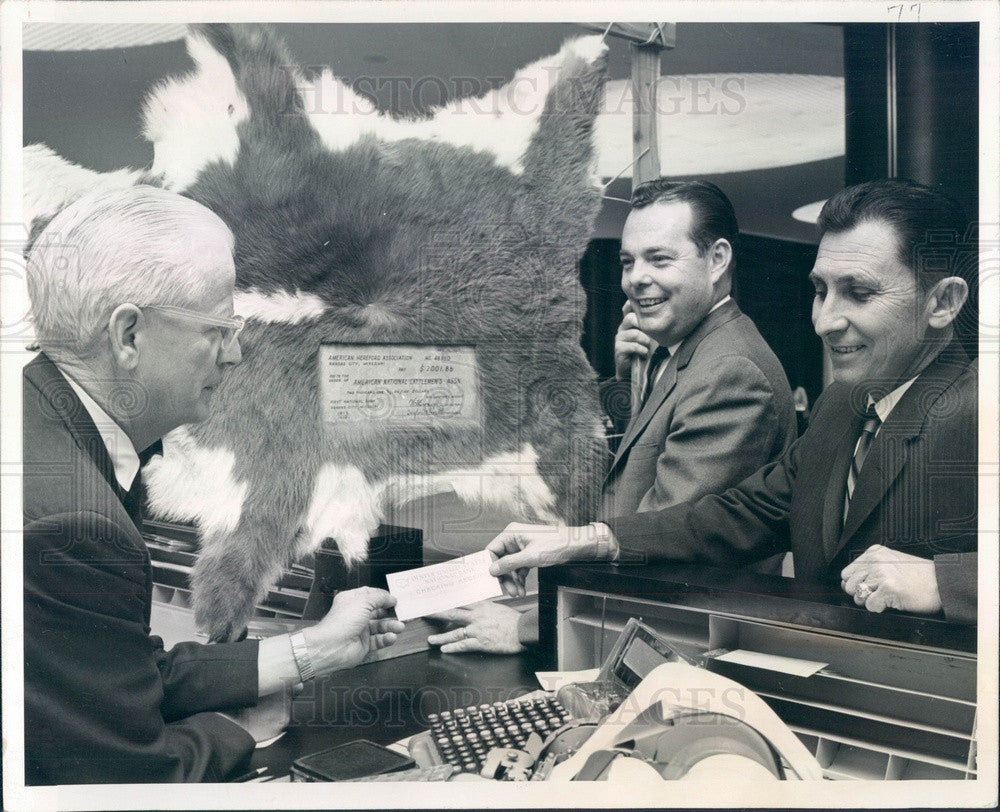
399, 384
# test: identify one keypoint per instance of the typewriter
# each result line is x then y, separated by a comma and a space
651, 701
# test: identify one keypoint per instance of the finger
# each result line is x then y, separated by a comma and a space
503, 545
512, 583
857, 578
509, 564
630, 341
852, 568
865, 560
628, 324
379, 599
631, 333
377, 641
469, 644
387, 624
627, 308
451, 616
444, 638
508, 586
876, 601
632, 349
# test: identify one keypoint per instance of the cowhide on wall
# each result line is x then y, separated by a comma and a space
353, 226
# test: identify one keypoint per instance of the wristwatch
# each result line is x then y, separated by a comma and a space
300, 651
607, 547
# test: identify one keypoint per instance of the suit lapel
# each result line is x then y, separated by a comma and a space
668, 380
848, 430
63, 402
661, 390
893, 445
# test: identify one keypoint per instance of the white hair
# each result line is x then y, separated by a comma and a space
139, 245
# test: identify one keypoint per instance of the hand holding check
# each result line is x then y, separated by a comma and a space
523, 546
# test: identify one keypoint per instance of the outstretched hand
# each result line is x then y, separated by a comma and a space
357, 624
523, 546
484, 626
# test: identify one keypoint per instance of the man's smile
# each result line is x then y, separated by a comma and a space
647, 302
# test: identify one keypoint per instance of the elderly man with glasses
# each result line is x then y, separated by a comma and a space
132, 302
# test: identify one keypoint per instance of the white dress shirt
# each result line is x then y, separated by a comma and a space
120, 449
885, 405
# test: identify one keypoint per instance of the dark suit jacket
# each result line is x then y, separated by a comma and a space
720, 410
103, 701
916, 492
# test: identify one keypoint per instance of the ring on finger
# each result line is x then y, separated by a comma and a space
862, 591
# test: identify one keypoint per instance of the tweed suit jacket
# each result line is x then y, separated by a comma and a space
103, 701
916, 493
720, 410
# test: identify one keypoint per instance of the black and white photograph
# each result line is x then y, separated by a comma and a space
471, 405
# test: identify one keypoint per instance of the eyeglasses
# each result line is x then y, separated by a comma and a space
231, 327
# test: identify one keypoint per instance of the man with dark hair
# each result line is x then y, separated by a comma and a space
878, 497
715, 403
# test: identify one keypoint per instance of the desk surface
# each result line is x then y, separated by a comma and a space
390, 700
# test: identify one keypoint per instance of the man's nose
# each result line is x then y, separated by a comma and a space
230, 352
636, 277
828, 316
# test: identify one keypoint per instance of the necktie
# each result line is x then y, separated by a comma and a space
660, 356
135, 497
868, 431
133, 500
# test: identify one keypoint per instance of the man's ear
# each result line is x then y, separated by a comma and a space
124, 327
945, 300
720, 255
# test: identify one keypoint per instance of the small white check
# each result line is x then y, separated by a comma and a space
443, 586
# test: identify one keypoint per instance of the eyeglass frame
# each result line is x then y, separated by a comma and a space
235, 324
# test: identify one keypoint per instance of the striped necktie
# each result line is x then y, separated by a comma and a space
660, 356
868, 431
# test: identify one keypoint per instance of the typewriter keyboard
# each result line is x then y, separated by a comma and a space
465, 736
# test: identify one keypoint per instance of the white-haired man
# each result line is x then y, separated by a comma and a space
132, 300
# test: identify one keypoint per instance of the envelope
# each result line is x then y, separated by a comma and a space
444, 586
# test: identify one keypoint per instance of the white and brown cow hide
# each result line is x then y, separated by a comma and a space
356, 227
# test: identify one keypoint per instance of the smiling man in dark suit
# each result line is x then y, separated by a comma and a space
715, 402
878, 497
132, 301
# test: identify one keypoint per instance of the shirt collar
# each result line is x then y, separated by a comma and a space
120, 449
674, 347
884, 405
